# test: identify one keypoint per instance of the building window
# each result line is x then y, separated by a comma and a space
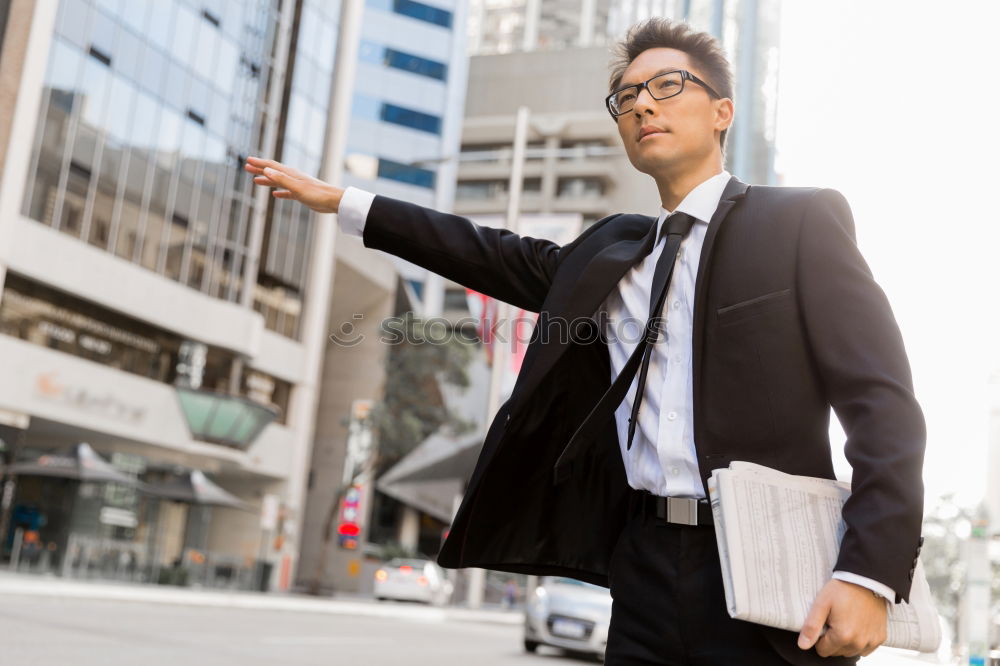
456, 300
138, 122
420, 11
267, 390
582, 149
501, 152
415, 64
580, 187
492, 189
49, 318
399, 115
404, 173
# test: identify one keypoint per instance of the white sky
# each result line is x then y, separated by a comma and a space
894, 103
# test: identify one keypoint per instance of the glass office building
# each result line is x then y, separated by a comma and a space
144, 277
148, 112
148, 289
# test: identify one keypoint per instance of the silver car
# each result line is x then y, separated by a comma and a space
568, 614
412, 580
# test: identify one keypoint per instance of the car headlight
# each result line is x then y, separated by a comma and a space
538, 601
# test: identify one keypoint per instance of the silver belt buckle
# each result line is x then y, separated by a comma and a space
682, 510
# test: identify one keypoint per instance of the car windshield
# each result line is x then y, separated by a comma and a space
561, 580
401, 562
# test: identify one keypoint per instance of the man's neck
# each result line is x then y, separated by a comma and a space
675, 186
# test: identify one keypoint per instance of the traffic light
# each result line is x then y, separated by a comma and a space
348, 530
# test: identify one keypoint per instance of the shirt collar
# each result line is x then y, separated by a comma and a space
701, 202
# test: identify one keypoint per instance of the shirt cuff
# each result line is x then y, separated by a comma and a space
884, 590
353, 210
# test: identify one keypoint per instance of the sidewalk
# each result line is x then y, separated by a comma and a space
34, 586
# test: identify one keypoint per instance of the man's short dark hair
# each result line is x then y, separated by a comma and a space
704, 50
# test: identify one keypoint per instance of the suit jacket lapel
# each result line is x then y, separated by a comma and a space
734, 191
596, 281
601, 274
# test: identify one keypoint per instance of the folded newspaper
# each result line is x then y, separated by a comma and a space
779, 537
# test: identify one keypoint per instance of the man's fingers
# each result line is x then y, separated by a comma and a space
813, 626
282, 179
262, 164
274, 174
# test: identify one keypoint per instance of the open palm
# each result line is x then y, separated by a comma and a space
293, 184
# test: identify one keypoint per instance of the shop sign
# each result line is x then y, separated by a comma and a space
49, 387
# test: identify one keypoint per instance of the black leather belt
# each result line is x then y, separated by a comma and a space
676, 510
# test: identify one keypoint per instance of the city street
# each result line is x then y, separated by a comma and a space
43, 631
48, 623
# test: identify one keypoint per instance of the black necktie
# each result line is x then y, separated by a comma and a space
675, 227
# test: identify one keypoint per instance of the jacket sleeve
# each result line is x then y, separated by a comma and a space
496, 262
860, 356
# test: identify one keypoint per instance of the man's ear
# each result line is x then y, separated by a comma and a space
724, 113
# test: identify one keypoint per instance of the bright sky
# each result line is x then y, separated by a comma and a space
894, 103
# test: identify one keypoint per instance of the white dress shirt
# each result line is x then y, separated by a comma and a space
662, 459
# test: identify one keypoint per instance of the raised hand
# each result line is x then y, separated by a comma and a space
320, 196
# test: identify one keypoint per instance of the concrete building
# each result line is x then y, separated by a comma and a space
154, 304
575, 161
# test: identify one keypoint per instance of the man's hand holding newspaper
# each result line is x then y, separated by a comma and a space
855, 619
778, 536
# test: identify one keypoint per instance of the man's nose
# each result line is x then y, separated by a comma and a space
643, 102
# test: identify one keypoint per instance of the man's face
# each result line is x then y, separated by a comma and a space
688, 120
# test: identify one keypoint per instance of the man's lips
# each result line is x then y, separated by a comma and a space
653, 133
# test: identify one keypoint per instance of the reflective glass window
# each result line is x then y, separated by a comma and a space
103, 31
399, 115
153, 67
422, 12
405, 173
415, 64
95, 88
72, 23
134, 15
182, 45
161, 20
120, 111
128, 55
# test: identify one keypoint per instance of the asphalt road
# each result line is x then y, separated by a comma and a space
52, 631
67, 630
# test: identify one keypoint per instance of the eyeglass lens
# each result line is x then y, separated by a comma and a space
661, 87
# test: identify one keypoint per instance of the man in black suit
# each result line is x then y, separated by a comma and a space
756, 313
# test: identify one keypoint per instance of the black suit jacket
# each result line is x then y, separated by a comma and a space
788, 321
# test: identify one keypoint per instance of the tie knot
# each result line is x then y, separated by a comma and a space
678, 223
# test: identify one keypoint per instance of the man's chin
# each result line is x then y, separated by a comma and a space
653, 164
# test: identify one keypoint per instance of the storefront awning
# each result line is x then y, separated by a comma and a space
223, 419
194, 487
81, 463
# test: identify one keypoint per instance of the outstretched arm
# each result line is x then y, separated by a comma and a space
512, 268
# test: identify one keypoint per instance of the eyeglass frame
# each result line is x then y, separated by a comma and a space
685, 76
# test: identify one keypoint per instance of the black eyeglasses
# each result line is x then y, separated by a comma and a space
660, 86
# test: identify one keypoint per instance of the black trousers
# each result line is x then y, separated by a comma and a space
669, 606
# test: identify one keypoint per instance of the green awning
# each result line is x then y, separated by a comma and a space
224, 419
